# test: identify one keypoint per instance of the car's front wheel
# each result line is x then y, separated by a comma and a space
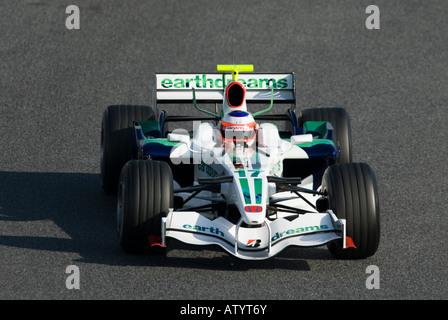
145, 194
352, 194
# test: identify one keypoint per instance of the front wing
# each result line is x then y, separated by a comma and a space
253, 243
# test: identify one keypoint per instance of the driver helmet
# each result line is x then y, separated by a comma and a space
238, 126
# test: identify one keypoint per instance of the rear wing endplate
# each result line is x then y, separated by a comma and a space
170, 88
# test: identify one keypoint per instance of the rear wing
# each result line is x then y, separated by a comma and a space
170, 88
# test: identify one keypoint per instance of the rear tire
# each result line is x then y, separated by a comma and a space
116, 147
145, 193
339, 119
352, 195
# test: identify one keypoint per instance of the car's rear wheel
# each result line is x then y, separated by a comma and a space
339, 119
116, 147
352, 194
145, 193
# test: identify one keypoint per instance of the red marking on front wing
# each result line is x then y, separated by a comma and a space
155, 240
349, 243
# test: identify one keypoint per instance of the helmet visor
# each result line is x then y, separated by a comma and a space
238, 133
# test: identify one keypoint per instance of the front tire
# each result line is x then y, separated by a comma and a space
352, 195
145, 194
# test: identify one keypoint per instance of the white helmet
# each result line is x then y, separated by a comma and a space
238, 126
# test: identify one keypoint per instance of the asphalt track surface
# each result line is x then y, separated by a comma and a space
55, 84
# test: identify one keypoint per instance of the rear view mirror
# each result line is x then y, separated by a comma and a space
301, 138
176, 137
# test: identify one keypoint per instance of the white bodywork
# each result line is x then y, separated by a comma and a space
257, 235
254, 236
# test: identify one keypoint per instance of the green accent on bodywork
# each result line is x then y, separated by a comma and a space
258, 190
270, 106
246, 191
163, 141
316, 127
241, 173
202, 110
149, 126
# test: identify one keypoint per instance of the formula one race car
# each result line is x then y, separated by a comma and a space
236, 179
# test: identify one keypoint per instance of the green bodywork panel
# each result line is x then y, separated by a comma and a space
149, 126
316, 127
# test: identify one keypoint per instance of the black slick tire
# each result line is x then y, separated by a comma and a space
352, 195
116, 148
145, 194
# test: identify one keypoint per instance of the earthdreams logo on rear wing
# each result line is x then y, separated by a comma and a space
210, 86
215, 81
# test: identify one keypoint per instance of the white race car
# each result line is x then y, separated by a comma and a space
235, 179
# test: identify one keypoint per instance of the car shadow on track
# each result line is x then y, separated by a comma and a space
70, 213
